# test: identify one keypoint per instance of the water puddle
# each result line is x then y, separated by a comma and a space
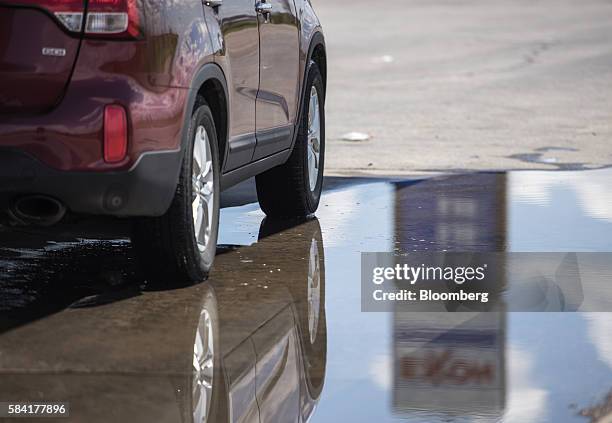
277, 333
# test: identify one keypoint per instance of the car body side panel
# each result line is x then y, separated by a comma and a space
279, 70
233, 27
277, 98
178, 41
311, 36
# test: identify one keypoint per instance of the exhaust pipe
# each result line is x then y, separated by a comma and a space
38, 210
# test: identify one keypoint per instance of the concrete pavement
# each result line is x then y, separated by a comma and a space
468, 85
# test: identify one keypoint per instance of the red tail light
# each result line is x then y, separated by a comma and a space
105, 18
115, 134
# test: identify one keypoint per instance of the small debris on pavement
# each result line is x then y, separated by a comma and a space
387, 58
355, 136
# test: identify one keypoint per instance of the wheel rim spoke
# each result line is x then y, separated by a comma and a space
314, 138
202, 188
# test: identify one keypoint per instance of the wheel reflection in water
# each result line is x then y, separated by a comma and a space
203, 368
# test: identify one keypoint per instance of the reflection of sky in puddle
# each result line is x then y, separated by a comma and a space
571, 353
547, 365
358, 343
560, 211
240, 224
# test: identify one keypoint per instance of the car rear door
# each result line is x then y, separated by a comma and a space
37, 52
277, 97
237, 20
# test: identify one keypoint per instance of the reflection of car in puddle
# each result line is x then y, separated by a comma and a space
249, 345
271, 362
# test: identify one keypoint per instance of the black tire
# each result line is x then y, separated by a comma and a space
166, 245
284, 191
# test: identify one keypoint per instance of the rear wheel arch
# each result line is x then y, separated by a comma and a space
318, 55
213, 94
209, 85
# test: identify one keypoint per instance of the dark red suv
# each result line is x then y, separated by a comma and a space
148, 109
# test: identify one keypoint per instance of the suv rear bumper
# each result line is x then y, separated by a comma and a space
146, 189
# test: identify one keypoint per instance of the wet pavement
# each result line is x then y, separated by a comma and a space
277, 333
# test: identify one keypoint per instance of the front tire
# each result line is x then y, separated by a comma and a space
179, 247
294, 188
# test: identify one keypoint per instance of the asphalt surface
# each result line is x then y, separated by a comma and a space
281, 313
453, 85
